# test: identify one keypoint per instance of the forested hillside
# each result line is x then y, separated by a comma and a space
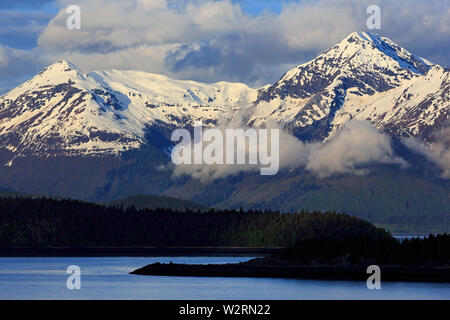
69, 223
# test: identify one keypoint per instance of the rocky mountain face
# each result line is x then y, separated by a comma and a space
364, 77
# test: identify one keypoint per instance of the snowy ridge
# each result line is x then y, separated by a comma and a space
63, 111
413, 109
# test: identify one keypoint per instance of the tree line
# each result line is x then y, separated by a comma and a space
431, 250
42, 222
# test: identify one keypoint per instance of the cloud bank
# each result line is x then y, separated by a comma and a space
438, 151
352, 150
355, 146
17, 62
209, 41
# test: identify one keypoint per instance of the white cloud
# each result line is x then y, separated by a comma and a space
215, 40
438, 151
352, 150
355, 146
210, 40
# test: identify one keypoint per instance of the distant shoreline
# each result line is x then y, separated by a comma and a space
136, 251
356, 273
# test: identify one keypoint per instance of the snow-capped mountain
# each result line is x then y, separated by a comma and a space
104, 135
62, 111
363, 77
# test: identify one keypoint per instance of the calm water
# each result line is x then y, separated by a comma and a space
108, 278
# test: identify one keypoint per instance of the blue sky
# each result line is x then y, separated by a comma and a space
208, 40
256, 7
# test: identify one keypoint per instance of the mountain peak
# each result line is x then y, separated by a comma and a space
65, 64
62, 66
373, 47
362, 36
362, 59
346, 82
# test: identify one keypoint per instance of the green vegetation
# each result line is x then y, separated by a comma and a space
69, 223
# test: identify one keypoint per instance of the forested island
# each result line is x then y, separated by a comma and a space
334, 257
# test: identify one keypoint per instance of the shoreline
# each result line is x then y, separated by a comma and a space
136, 251
356, 273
